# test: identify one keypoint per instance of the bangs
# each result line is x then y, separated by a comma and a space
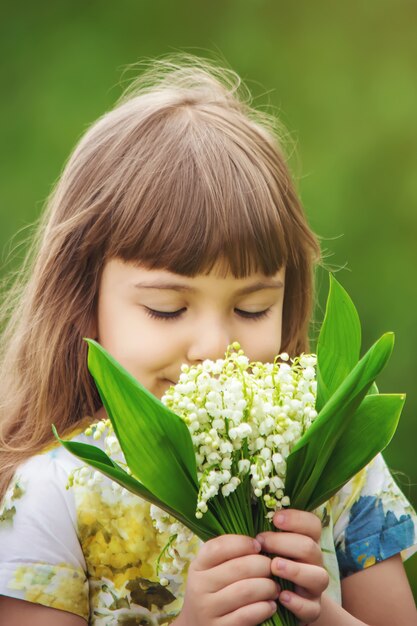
208, 193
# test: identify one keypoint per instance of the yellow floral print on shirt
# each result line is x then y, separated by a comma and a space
121, 548
8, 505
56, 586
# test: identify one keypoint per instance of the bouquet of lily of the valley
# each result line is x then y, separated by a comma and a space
241, 440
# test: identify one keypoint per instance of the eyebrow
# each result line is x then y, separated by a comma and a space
173, 286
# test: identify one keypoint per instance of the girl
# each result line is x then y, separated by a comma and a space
174, 230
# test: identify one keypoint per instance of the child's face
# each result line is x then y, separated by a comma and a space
152, 321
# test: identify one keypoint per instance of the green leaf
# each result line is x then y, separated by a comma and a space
156, 442
339, 342
309, 456
371, 428
95, 457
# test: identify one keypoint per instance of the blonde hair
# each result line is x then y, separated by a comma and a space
181, 173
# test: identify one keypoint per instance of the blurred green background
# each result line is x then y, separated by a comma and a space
343, 77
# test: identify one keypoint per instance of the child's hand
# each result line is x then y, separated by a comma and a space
229, 584
299, 560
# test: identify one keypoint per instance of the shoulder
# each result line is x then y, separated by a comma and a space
40, 484
40, 554
38, 502
373, 519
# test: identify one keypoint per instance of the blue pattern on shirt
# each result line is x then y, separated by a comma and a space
372, 535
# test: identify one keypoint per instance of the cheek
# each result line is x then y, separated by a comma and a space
269, 349
134, 340
263, 340
120, 333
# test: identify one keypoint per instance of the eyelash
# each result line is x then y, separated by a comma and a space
171, 315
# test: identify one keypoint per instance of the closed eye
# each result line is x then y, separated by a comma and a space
164, 315
252, 315
169, 315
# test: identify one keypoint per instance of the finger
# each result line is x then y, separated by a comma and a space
302, 522
305, 609
245, 592
313, 579
256, 613
224, 548
250, 566
292, 546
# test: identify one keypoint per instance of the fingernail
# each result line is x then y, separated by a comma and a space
280, 565
285, 597
260, 540
280, 519
257, 545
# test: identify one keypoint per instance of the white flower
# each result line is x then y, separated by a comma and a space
266, 453
246, 418
244, 466
309, 373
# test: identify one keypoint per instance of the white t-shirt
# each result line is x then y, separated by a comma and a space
94, 552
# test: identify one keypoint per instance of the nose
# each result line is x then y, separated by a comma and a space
209, 342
